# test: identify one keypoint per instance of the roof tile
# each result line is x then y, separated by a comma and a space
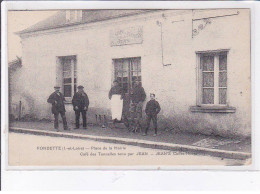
88, 16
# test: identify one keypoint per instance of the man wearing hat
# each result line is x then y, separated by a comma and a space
80, 103
57, 100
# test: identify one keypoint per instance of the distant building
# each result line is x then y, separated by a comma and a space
197, 62
15, 106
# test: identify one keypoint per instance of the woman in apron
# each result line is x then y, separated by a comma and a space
116, 97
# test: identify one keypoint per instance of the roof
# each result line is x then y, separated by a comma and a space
88, 16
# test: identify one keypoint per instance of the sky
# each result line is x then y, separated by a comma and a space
20, 20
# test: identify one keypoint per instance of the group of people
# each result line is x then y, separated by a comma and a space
134, 105
80, 103
118, 99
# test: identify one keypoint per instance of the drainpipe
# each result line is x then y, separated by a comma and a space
160, 25
20, 110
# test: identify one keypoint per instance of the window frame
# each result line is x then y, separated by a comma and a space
216, 54
73, 84
130, 71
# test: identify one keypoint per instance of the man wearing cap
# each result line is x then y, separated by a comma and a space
57, 100
80, 103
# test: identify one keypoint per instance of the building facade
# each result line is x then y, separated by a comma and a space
197, 62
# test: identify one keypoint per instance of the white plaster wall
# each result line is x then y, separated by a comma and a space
232, 32
17, 94
175, 85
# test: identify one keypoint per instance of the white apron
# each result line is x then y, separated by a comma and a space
116, 107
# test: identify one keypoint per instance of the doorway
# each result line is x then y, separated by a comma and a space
127, 71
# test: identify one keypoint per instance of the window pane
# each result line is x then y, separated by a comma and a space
222, 62
72, 15
75, 80
222, 96
122, 67
125, 65
222, 79
207, 63
208, 79
67, 65
136, 66
117, 74
66, 74
67, 90
208, 96
75, 73
67, 80
134, 73
116, 65
125, 74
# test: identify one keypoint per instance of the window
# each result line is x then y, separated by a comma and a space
69, 75
213, 78
127, 71
73, 15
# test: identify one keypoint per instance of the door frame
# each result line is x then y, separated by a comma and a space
129, 77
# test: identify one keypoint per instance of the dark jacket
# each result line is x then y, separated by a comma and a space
152, 107
80, 100
59, 105
115, 90
138, 94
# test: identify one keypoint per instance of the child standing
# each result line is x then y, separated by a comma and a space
152, 109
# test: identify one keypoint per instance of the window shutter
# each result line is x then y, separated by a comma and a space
59, 72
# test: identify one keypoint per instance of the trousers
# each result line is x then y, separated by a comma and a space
84, 117
154, 119
138, 109
56, 120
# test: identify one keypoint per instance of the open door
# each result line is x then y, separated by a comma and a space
126, 72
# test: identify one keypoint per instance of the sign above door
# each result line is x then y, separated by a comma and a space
130, 35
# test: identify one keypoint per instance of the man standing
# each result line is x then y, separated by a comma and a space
57, 100
80, 103
138, 97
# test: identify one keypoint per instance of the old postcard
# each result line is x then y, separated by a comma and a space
129, 88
